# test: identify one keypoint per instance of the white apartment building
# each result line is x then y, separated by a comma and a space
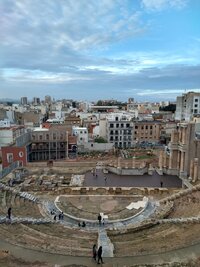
81, 133
120, 130
187, 106
8, 135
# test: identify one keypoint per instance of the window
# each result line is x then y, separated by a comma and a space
196, 100
111, 125
142, 127
127, 125
122, 125
146, 127
195, 105
136, 127
151, 127
135, 132
92, 145
40, 137
9, 157
47, 136
195, 110
117, 125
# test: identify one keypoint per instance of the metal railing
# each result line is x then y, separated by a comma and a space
9, 169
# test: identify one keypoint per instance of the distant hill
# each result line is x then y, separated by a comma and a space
9, 100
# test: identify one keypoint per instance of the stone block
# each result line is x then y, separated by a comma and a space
118, 190
83, 190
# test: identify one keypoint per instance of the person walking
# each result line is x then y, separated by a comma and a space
94, 252
99, 218
161, 184
99, 254
9, 213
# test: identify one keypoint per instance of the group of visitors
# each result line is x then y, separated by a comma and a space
97, 254
83, 224
60, 215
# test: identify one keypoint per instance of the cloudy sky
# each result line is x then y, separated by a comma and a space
107, 49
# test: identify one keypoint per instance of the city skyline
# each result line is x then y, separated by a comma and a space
146, 49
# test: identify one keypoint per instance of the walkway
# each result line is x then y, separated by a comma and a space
178, 255
169, 181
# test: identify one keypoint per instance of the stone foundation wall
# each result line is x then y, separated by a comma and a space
127, 171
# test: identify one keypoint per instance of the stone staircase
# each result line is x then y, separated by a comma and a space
26, 220
180, 220
24, 195
104, 241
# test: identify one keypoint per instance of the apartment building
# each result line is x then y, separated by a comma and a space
120, 130
147, 131
81, 133
187, 106
50, 143
8, 135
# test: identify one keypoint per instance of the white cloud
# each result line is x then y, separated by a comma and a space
158, 5
73, 24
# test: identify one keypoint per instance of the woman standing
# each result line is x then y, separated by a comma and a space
94, 252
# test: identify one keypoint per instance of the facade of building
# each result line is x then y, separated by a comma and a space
81, 133
48, 144
12, 154
24, 101
120, 130
36, 101
187, 106
148, 131
8, 135
183, 153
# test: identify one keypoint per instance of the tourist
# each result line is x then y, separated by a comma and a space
62, 215
54, 218
9, 213
94, 252
83, 224
105, 179
99, 218
59, 216
161, 184
79, 224
99, 254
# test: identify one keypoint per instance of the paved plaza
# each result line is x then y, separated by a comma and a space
114, 180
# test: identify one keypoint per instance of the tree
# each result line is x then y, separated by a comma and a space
100, 140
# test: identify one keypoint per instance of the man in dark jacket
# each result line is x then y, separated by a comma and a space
99, 254
9, 213
99, 219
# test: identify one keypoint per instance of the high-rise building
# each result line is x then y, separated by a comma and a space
187, 106
130, 100
24, 100
36, 101
47, 99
